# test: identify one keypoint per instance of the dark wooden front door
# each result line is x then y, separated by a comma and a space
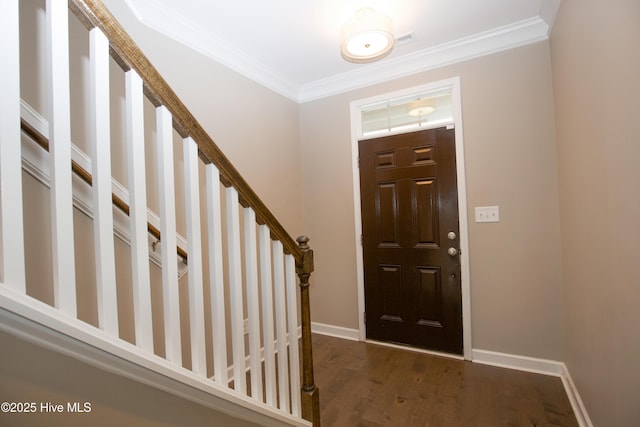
409, 208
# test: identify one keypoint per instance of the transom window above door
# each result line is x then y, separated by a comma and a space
407, 113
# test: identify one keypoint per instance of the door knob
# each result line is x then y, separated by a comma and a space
451, 235
452, 251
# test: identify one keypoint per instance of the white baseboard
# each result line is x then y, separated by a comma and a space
521, 363
335, 331
538, 366
576, 402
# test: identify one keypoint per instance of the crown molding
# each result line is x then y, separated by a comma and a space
549, 11
174, 25
496, 40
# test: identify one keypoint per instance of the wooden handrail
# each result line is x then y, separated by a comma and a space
85, 175
93, 13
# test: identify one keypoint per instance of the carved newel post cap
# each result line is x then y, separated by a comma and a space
305, 265
303, 242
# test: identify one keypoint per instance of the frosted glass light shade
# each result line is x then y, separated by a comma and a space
367, 37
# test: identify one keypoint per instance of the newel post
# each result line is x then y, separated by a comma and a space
310, 393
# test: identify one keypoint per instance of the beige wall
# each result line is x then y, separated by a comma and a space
256, 128
516, 295
596, 68
31, 374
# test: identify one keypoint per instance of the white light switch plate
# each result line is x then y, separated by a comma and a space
488, 214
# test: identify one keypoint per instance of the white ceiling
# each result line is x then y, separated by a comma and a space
293, 46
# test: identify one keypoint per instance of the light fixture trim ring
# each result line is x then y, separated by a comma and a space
367, 37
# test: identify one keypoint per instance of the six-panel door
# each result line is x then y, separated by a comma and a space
410, 233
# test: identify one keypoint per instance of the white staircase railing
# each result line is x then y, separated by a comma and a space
249, 257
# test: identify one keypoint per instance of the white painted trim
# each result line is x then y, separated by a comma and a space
292, 339
35, 163
167, 206
59, 135
195, 267
356, 132
140, 272
520, 363
538, 366
463, 225
548, 12
45, 326
216, 278
268, 331
252, 324
485, 43
100, 136
280, 311
176, 26
335, 331
577, 405
236, 310
12, 257
173, 24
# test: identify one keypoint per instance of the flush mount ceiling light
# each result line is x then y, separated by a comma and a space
367, 37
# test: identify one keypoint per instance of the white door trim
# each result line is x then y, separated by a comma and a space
356, 132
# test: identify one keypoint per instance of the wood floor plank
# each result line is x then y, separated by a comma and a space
369, 385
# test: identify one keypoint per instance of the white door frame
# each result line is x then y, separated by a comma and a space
356, 134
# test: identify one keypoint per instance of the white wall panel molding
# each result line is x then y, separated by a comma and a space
35, 163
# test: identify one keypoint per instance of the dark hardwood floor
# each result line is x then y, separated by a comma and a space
365, 384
